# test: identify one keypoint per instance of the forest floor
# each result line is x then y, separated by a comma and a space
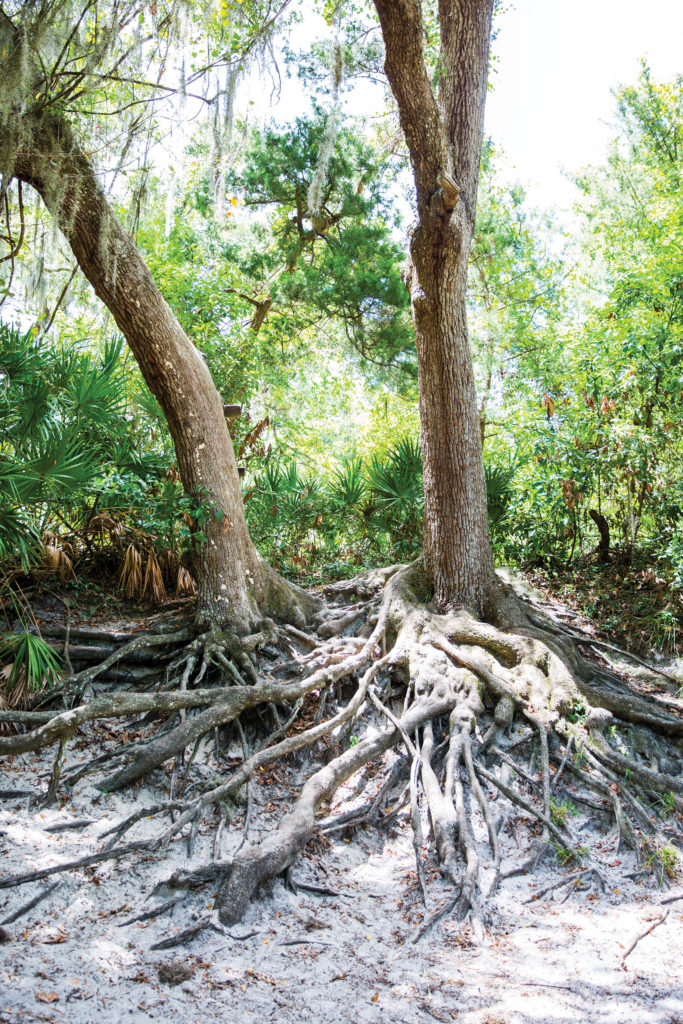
636, 601
345, 954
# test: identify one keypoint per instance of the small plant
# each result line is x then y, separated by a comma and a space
560, 810
580, 758
668, 858
29, 661
563, 853
577, 713
663, 860
353, 740
667, 803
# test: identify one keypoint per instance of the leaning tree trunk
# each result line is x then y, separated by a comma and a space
235, 584
444, 140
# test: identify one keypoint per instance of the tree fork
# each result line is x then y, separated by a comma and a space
444, 135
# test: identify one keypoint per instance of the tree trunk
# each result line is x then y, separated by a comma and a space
235, 585
444, 140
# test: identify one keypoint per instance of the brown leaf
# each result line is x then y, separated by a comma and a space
46, 997
55, 937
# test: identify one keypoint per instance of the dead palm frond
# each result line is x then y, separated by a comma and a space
130, 577
154, 581
185, 585
103, 523
169, 562
58, 560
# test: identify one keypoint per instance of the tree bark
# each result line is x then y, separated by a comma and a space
444, 136
235, 585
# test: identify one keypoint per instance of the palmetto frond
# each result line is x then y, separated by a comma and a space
30, 658
397, 480
18, 538
95, 391
498, 492
349, 486
64, 465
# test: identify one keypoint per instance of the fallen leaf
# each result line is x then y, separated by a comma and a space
46, 997
375, 997
55, 937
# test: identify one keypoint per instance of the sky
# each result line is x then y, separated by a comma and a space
557, 63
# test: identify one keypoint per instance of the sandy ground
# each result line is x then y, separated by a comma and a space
319, 959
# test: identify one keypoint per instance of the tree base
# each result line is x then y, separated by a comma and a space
481, 717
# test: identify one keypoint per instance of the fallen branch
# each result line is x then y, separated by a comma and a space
147, 915
187, 934
31, 904
642, 935
72, 865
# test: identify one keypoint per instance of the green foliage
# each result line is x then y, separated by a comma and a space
78, 475
341, 263
362, 513
667, 805
591, 407
32, 660
45, 404
563, 854
561, 810
662, 859
578, 712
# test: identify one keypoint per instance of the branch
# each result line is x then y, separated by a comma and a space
463, 75
422, 124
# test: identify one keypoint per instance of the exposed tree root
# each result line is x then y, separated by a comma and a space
484, 713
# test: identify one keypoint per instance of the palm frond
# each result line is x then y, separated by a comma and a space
349, 485
407, 456
66, 465
18, 537
153, 585
498, 492
130, 577
29, 656
185, 585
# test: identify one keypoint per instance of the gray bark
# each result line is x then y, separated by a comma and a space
444, 136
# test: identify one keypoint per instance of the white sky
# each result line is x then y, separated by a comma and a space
557, 62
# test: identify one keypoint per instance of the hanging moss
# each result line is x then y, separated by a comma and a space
317, 186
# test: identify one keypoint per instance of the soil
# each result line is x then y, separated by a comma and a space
637, 603
553, 948
320, 958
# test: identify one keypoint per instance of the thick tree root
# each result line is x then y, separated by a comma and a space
482, 670
483, 712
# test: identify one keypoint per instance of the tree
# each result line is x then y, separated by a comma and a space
340, 265
40, 149
596, 411
446, 687
444, 138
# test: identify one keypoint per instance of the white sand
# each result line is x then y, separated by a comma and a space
548, 961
